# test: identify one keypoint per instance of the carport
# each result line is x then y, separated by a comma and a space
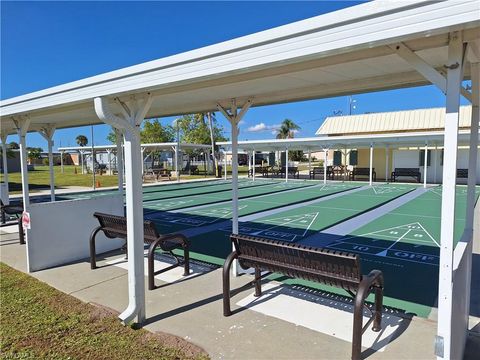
175, 147
420, 140
369, 47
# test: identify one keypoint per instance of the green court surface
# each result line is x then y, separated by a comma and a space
160, 193
170, 222
404, 244
299, 223
221, 196
165, 187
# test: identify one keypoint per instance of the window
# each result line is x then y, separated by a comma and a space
422, 157
353, 160
337, 158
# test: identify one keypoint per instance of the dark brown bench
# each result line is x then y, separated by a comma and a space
114, 226
319, 170
292, 170
462, 173
13, 210
411, 172
361, 171
334, 268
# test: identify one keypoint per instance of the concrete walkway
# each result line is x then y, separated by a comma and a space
285, 323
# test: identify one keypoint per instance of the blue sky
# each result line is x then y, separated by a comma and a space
44, 44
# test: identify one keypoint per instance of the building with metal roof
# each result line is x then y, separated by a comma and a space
392, 122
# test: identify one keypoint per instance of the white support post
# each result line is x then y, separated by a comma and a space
473, 151
119, 138
309, 161
345, 153
47, 133
81, 160
142, 150
387, 162
134, 112
445, 290
5, 167
234, 174
249, 156
325, 159
62, 154
253, 170
22, 128
109, 159
177, 171
286, 164
370, 173
234, 117
225, 163
435, 161
425, 166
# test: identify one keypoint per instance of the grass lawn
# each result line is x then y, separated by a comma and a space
40, 322
39, 179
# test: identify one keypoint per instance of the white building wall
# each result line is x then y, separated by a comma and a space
410, 159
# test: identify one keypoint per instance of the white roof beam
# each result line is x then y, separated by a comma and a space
425, 69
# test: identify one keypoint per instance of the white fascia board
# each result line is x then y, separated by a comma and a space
168, 146
411, 138
400, 23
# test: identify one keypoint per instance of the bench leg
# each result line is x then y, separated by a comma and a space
186, 259
226, 283
258, 282
93, 262
377, 321
21, 232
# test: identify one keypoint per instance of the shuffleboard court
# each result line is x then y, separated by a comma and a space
209, 189
221, 196
297, 224
405, 245
170, 222
158, 188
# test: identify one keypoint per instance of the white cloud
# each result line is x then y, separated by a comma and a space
262, 127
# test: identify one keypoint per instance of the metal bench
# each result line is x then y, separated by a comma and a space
462, 173
13, 210
292, 170
319, 170
361, 171
412, 172
334, 268
114, 226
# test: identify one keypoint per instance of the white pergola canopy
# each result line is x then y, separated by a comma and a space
341, 142
168, 146
349, 51
373, 46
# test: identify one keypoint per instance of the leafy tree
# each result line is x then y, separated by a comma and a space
296, 155
14, 146
287, 129
194, 129
34, 153
154, 132
112, 136
81, 140
10, 153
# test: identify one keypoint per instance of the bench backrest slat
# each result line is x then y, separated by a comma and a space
407, 171
330, 267
116, 226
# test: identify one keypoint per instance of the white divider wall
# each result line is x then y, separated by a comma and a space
462, 265
60, 230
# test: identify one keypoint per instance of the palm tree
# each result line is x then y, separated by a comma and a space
82, 141
287, 129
